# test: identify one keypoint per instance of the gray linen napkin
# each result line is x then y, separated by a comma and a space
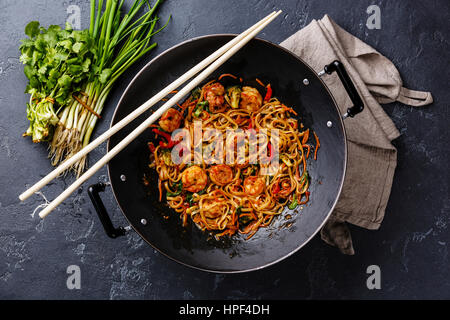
371, 156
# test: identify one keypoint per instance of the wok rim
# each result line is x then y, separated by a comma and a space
341, 121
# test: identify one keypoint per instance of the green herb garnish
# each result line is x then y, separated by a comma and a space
71, 73
178, 188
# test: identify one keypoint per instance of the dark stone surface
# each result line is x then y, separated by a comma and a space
411, 247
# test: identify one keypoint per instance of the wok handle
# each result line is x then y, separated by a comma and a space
110, 230
358, 104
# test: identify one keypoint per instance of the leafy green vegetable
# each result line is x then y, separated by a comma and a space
200, 107
104, 75
233, 95
178, 188
189, 198
293, 204
53, 61
243, 219
32, 29
71, 73
120, 40
304, 181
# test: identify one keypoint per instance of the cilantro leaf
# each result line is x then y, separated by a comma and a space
32, 29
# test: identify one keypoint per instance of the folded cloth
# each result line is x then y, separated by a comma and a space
371, 156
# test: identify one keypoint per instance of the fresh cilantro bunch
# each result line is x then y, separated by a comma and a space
71, 73
57, 62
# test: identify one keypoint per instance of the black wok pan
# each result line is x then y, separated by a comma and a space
297, 86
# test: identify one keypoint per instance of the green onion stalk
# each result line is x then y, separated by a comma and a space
120, 42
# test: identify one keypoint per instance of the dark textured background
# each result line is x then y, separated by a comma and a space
411, 247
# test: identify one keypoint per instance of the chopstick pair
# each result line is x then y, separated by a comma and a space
211, 63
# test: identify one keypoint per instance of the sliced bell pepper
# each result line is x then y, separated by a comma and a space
166, 145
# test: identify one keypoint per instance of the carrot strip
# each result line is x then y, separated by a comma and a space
227, 75
306, 200
297, 173
260, 82
317, 145
309, 149
285, 108
190, 110
305, 136
233, 217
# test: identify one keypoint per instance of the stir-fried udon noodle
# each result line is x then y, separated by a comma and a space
229, 198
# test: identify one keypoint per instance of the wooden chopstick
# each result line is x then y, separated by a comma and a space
158, 113
144, 107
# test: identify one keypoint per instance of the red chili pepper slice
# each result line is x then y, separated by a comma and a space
163, 134
271, 155
170, 143
268, 93
166, 145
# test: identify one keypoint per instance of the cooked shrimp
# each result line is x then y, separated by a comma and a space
251, 99
254, 185
194, 179
170, 120
214, 208
214, 94
221, 174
